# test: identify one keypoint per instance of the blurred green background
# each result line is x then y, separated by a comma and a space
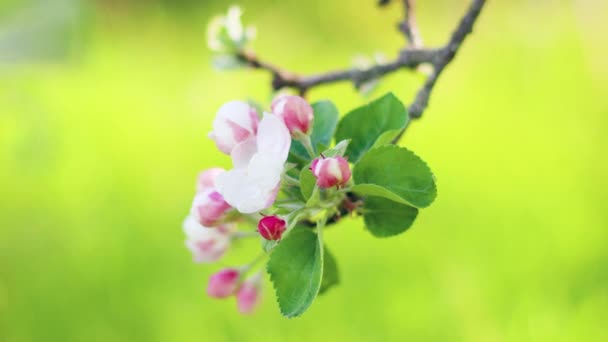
104, 111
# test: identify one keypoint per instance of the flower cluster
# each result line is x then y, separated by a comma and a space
259, 149
296, 170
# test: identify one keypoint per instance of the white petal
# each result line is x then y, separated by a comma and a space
236, 187
243, 152
265, 170
192, 228
273, 137
245, 193
195, 231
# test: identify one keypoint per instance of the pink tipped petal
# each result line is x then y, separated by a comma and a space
206, 179
331, 172
273, 137
233, 124
344, 169
243, 152
254, 182
272, 196
209, 207
223, 283
248, 297
255, 118
206, 244
295, 112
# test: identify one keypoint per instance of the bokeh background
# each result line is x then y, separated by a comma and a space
104, 111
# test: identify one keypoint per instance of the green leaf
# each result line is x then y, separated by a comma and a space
337, 150
384, 218
386, 138
268, 245
331, 276
397, 174
315, 198
323, 128
366, 124
307, 182
326, 120
295, 268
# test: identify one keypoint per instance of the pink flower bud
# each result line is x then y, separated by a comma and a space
331, 172
223, 283
248, 295
206, 179
234, 123
295, 112
209, 207
271, 227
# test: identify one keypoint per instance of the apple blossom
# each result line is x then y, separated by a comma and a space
207, 244
223, 283
248, 295
209, 207
206, 179
330, 172
295, 112
226, 34
234, 123
254, 182
271, 227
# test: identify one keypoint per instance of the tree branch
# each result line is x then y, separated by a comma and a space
447, 53
409, 58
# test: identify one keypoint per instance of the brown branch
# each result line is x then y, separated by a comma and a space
409, 58
446, 55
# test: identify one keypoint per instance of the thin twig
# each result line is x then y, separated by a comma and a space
408, 58
409, 26
447, 53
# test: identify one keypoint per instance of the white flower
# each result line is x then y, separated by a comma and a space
258, 166
234, 123
207, 244
226, 34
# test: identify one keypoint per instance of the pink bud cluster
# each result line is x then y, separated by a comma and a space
209, 206
208, 236
259, 150
228, 282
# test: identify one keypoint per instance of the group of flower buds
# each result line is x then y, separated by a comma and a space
228, 282
209, 206
208, 238
207, 235
259, 149
298, 117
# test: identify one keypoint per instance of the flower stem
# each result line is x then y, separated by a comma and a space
243, 235
290, 180
305, 140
